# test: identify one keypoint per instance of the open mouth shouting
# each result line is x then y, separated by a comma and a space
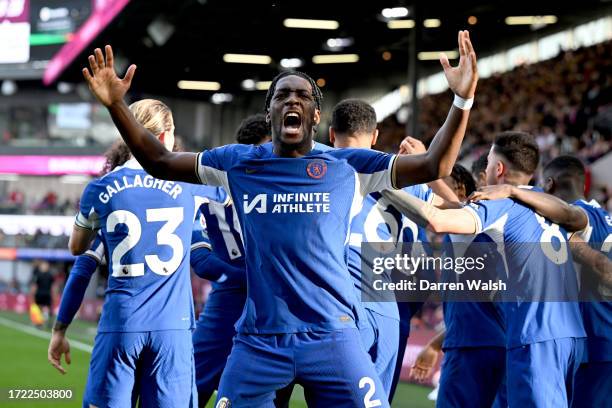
292, 123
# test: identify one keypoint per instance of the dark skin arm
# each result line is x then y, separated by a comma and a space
595, 262
80, 239
570, 217
110, 90
444, 197
440, 158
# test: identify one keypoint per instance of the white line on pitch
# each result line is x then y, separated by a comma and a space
43, 335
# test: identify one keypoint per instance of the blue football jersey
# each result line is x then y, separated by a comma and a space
538, 265
218, 230
411, 231
295, 215
472, 324
597, 316
146, 225
378, 221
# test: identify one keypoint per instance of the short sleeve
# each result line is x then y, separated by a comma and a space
213, 165
374, 169
486, 213
87, 216
97, 250
199, 235
206, 194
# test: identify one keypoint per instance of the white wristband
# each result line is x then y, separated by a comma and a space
461, 103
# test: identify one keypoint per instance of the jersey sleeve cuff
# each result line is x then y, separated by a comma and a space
82, 222
393, 172
197, 168
477, 220
199, 245
93, 256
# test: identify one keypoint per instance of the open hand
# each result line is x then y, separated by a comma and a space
57, 346
425, 362
410, 145
496, 192
462, 79
103, 81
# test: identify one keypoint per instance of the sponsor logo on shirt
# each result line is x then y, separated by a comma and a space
287, 203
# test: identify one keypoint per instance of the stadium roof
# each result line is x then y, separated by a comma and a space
173, 40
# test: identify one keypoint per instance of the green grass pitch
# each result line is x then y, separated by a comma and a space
25, 366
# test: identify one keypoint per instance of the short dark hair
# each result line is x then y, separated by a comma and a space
253, 130
566, 170
480, 164
353, 116
316, 91
519, 149
462, 176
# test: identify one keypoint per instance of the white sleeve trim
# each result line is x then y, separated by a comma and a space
377, 181
97, 253
86, 223
197, 167
198, 245
391, 170
476, 218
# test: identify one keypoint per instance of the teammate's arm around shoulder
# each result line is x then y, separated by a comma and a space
455, 221
570, 217
440, 158
110, 90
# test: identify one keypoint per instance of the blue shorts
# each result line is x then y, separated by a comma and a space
383, 350
213, 339
155, 367
472, 377
542, 374
333, 367
593, 385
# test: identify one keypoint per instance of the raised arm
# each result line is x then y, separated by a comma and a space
110, 90
570, 217
454, 221
440, 158
444, 196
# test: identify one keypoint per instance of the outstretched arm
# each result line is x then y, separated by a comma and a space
454, 221
110, 90
570, 217
440, 158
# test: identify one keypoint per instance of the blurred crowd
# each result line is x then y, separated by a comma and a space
565, 102
16, 202
39, 240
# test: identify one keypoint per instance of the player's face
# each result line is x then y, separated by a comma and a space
293, 112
